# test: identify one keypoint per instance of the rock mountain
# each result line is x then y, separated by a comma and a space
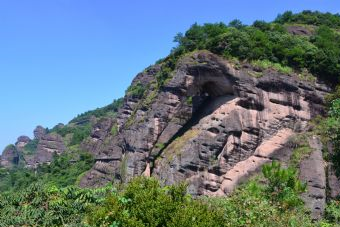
213, 124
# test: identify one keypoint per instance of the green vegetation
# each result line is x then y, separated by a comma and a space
63, 171
283, 185
114, 130
144, 202
310, 18
189, 100
48, 206
31, 147
107, 111
265, 64
137, 90
251, 205
271, 43
333, 133
271, 199
301, 150
79, 132
160, 146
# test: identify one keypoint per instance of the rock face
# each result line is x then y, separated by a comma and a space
39, 132
299, 30
22, 141
10, 157
312, 171
42, 150
212, 124
49, 145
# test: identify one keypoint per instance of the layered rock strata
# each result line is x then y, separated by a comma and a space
212, 124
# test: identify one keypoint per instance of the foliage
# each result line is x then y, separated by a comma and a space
283, 184
39, 205
270, 42
137, 90
301, 149
108, 110
332, 212
54, 200
310, 17
333, 132
251, 205
189, 100
160, 146
63, 171
332, 96
114, 130
31, 147
265, 64
145, 203
79, 132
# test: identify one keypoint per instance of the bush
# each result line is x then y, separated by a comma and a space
109, 110
48, 206
136, 90
271, 42
63, 171
251, 205
145, 203
31, 147
310, 17
283, 184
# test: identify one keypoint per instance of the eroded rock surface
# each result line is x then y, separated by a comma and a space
210, 124
332, 176
312, 171
22, 141
39, 132
48, 146
10, 157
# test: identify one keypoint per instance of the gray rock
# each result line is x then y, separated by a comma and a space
39, 132
22, 141
211, 125
312, 171
10, 157
299, 30
48, 146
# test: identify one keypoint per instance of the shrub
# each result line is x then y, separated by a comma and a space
145, 203
137, 90
31, 147
48, 206
251, 205
283, 184
109, 110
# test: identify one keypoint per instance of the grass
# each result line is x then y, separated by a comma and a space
307, 76
266, 64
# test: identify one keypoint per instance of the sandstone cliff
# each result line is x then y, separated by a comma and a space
213, 123
30, 153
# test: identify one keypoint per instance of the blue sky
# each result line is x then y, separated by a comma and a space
59, 58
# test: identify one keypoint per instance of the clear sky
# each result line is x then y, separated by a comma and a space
59, 58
